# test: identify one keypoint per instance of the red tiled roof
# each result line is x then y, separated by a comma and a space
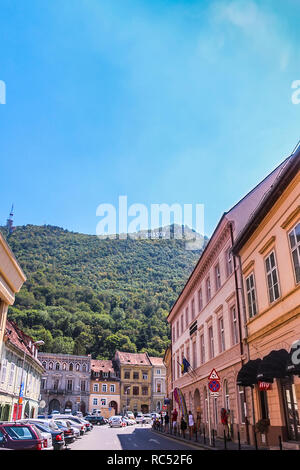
98, 364
133, 358
18, 338
156, 361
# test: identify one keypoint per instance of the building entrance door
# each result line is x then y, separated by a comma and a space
291, 409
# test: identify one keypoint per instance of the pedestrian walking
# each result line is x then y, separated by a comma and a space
174, 420
183, 426
191, 424
167, 418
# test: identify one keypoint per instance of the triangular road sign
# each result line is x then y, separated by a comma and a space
213, 375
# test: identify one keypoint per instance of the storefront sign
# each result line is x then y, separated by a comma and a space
264, 386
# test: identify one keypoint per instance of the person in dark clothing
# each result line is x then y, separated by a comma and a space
183, 426
167, 419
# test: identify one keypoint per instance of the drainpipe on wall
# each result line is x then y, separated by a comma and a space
241, 289
246, 329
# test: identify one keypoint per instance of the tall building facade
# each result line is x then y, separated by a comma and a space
158, 383
268, 250
135, 372
66, 382
104, 388
19, 365
207, 325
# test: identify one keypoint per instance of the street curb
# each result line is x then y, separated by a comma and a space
187, 442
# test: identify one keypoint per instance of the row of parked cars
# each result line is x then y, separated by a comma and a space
130, 419
51, 432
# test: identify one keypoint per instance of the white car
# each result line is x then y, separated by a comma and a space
148, 418
139, 417
116, 422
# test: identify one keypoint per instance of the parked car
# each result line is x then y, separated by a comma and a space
18, 436
45, 433
94, 419
58, 440
139, 417
147, 418
116, 422
74, 419
130, 414
69, 434
66, 422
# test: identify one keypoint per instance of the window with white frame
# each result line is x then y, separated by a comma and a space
194, 354
208, 289
226, 396
181, 323
251, 295
112, 388
105, 375
211, 342
294, 238
186, 316
103, 401
202, 349
95, 401
242, 400
221, 334
177, 329
229, 261
3, 370
158, 371
12, 373
272, 277
193, 309
217, 276
96, 388
104, 388
234, 325
200, 300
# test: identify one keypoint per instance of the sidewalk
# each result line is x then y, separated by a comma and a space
217, 443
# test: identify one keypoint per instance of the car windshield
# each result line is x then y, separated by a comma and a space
20, 432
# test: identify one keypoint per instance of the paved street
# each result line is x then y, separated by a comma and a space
135, 437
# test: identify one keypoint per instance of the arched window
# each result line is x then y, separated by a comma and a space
50, 365
64, 366
71, 366
77, 366
57, 366
44, 364
84, 368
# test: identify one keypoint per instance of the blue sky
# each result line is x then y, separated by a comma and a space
165, 101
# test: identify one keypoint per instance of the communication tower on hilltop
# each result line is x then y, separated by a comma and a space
9, 222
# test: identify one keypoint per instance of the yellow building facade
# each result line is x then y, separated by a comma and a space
268, 250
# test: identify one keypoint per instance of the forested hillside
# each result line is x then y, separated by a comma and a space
85, 295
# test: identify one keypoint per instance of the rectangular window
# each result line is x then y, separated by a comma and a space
135, 391
181, 322
136, 375
229, 262
95, 401
104, 388
294, 237
43, 384
193, 309
186, 316
158, 387
234, 326
12, 373
177, 328
96, 388
82, 386
221, 334
3, 370
263, 404
70, 385
208, 289
194, 355
217, 276
242, 405
105, 374
55, 384
200, 300
272, 277
251, 295
103, 401
211, 342
202, 349
145, 375
127, 374
112, 389
144, 390
158, 371
188, 353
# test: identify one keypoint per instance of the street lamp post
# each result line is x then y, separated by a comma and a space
21, 390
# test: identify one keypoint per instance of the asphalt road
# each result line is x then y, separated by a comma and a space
134, 437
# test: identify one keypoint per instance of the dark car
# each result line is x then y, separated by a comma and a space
69, 434
98, 420
58, 440
19, 436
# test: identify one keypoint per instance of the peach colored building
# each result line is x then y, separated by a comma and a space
269, 251
207, 325
104, 388
11, 281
